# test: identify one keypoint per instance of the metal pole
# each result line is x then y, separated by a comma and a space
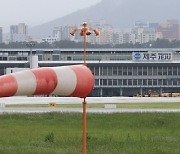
84, 127
30, 57
30, 45
84, 31
85, 49
84, 104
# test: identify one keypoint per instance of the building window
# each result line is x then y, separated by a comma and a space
135, 82
144, 70
140, 82
101, 82
150, 70
129, 70
40, 57
125, 82
165, 71
130, 82
125, 71
55, 57
104, 70
154, 82
96, 70
174, 82
114, 70
139, 70
178, 70
97, 82
169, 82
154, 70
3, 58
119, 82
120, 71
174, 70
110, 82
92, 69
150, 82
178, 81
159, 70
169, 70
159, 82
144, 82
69, 58
109, 70
164, 82
115, 82
134, 70
105, 82
101, 70
12, 58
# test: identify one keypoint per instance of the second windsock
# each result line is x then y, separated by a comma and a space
74, 80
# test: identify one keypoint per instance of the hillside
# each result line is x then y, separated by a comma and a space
119, 13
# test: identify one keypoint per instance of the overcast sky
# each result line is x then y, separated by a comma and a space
34, 12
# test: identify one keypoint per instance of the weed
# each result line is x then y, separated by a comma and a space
49, 137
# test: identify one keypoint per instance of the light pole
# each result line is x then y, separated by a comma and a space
30, 45
84, 32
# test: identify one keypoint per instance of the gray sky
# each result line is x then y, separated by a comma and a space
34, 12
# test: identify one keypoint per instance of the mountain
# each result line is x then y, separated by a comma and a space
119, 13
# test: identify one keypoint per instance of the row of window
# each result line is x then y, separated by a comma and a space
14, 58
80, 57
136, 70
137, 82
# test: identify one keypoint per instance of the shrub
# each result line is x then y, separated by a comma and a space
49, 137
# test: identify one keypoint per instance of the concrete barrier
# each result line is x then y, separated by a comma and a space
110, 106
2, 105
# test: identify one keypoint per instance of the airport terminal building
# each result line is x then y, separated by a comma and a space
118, 72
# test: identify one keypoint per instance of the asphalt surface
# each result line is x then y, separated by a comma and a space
74, 100
89, 110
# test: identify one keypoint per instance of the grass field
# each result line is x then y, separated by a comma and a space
124, 133
119, 105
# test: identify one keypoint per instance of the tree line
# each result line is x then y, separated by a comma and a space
159, 43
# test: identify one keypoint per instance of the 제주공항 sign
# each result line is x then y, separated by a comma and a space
152, 56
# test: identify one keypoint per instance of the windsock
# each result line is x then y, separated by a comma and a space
74, 80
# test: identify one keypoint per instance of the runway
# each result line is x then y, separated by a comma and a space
79, 110
74, 100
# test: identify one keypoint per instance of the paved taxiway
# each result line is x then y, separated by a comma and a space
72, 100
89, 110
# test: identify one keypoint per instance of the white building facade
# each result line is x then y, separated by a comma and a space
19, 33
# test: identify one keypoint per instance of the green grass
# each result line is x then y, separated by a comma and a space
123, 133
119, 105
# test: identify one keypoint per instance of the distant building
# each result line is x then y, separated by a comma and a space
19, 33
123, 37
49, 39
179, 32
106, 33
142, 32
1, 35
170, 30
144, 35
153, 25
62, 32
140, 24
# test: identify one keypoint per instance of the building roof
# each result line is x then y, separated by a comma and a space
91, 49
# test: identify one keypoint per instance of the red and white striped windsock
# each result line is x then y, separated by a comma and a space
74, 80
